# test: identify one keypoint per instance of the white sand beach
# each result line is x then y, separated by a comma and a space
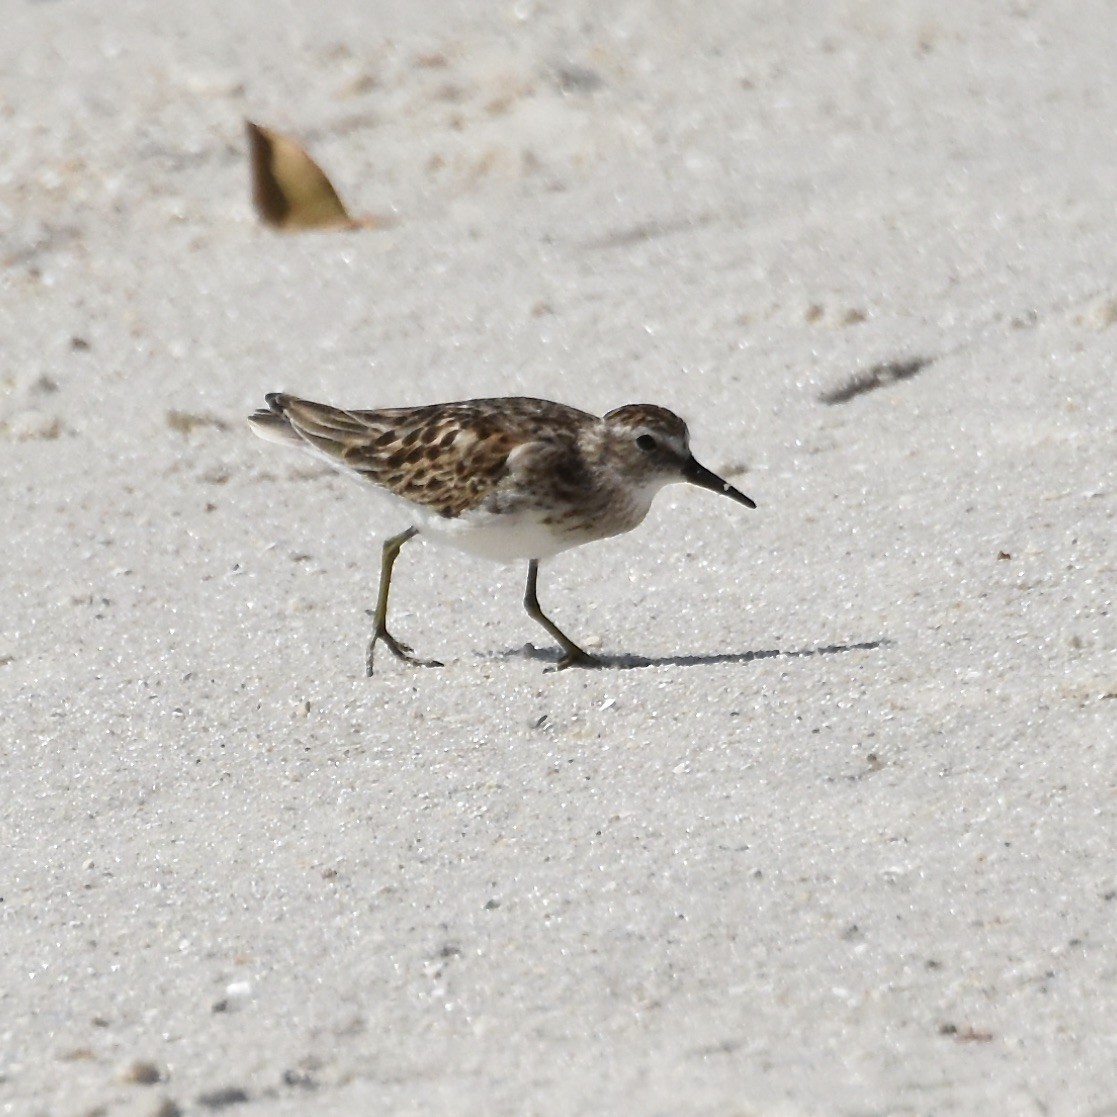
833, 831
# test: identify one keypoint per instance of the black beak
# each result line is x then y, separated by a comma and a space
699, 475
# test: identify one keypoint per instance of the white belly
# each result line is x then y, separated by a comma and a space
503, 538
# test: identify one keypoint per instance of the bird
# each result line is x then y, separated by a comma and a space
507, 478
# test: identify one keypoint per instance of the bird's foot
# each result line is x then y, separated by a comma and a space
576, 657
398, 649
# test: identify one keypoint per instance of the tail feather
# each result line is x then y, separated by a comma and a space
271, 423
318, 422
316, 427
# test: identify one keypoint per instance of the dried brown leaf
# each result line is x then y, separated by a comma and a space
290, 190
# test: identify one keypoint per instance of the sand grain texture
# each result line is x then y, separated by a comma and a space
835, 834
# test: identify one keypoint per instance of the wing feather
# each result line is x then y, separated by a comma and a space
449, 458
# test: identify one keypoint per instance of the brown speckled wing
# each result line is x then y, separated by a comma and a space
446, 457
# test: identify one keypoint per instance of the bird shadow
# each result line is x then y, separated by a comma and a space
630, 662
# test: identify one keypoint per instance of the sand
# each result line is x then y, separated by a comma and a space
833, 832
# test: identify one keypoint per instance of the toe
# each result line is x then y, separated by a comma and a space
575, 657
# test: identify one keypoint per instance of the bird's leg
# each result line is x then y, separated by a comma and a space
391, 550
574, 655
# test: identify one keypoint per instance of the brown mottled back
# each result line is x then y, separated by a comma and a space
404, 449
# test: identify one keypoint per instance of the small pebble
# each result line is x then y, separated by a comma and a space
77, 1055
139, 1073
219, 1099
299, 1078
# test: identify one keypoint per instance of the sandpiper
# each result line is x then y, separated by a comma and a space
506, 478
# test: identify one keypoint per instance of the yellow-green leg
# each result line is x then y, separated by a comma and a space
402, 651
574, 656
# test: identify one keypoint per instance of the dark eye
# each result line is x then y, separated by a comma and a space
646, 443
